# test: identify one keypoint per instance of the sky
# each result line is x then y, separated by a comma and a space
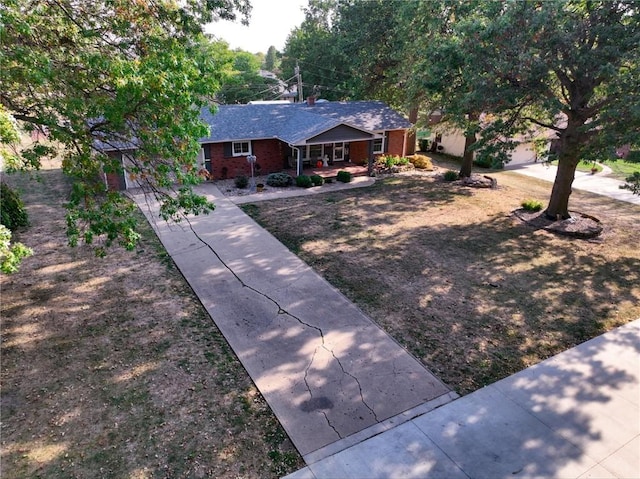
270, 23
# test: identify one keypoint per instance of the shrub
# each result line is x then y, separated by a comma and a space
390, 161
343, 176
450, 175
632, 183
279, 179
12, 211
241, 181
531, 205
303, 181
317, 180
483, 162
633, 156
11, 254
422, 162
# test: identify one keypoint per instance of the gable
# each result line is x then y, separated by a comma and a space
341, 133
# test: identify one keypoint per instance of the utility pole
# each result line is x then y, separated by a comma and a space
299, 80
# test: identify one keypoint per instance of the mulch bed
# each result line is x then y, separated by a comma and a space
580, 225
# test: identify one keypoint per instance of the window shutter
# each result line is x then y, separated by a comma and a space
386, 142
228, 151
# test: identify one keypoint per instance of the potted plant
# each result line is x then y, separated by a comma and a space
259, 187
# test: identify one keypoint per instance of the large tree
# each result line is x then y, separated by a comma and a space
271, 59
570, 67
314, 49
122, 73
244, 82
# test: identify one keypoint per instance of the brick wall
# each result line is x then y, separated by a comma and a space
395, 142
270, 156
359, 152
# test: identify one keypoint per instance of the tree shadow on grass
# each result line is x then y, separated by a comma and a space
573, 414
110, 367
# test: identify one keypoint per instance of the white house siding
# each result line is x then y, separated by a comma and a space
453, 144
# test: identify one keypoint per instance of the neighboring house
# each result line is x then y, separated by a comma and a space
451, 141
290, 136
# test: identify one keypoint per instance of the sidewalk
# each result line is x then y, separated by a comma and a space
598, 183
575, 415
326, 370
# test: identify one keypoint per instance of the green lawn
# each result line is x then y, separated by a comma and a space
622, 169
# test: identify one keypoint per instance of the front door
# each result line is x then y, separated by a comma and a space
338, 152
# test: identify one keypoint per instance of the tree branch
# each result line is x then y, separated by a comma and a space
543, 124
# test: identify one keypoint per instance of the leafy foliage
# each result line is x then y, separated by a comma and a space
12, 211
531, 205
11, 255
503, 69
117, 75
633, 183
421, 162
243, 83
633, 156
271, 59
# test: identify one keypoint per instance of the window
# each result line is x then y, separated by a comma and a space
378, 144
315, 152
241, 148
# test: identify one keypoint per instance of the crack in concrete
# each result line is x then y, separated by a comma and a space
281, 310
306, 373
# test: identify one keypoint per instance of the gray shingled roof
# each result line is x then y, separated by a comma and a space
296, 122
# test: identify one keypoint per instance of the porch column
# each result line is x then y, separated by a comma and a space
299, 163
370, 162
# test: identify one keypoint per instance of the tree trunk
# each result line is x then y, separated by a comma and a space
568, 158
559, 202
411, 134
467, 158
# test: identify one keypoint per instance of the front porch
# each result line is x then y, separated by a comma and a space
332, 170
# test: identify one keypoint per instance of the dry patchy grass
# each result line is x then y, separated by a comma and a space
112, 368
473, 292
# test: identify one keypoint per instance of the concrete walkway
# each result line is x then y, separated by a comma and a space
326, 370
575, 415
598, 183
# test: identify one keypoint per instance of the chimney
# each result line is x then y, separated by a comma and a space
311, 100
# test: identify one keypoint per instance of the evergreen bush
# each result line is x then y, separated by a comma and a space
450, 175
343, 176
241, 181
303, 181
279, 179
